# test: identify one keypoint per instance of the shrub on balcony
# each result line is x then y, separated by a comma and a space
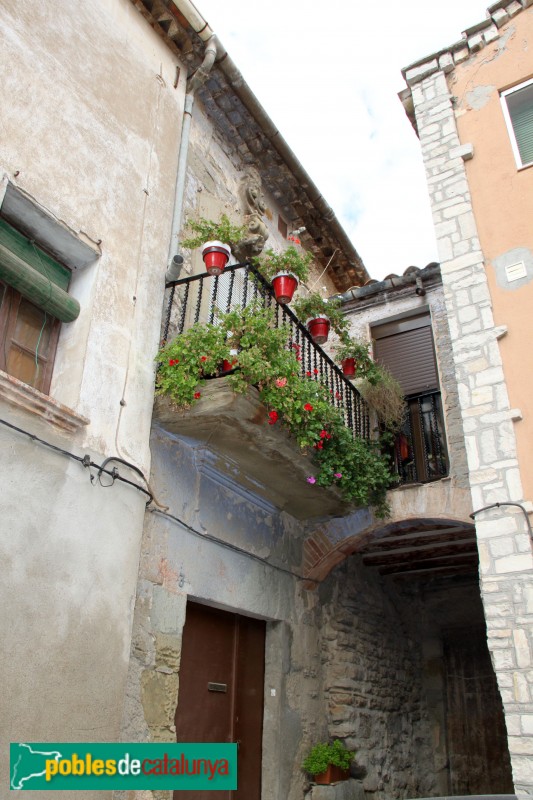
290, 260
268, 361
205, 230
314, 305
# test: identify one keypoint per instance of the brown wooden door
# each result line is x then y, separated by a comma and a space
478, 756
221, 692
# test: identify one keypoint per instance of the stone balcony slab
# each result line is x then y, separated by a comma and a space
263, 458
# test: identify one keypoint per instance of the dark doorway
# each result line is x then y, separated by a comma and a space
221, 692
477, 740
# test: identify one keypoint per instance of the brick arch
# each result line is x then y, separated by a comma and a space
433, 505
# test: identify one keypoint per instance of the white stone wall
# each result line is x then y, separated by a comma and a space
506, 564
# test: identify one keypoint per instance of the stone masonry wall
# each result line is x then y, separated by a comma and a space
373, 685
506, 564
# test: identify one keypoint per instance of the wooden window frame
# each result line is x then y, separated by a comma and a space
9, 313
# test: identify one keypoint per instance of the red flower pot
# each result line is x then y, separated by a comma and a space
332, 775
284, 285
228, 365
348, 368
319, 329
216, 256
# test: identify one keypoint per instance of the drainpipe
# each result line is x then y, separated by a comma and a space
195, 81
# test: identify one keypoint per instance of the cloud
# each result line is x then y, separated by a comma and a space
328, 75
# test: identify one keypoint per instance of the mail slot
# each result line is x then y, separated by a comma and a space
217, 687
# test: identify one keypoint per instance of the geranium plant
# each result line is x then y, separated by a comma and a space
358, 350
204, 230
314, 305
323, 754
290, 260
302, 404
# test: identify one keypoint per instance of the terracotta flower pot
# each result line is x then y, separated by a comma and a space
332, 775
349, 366
229, 365
216, 256
319, 329
284, 285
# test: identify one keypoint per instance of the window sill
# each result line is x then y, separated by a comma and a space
20, 394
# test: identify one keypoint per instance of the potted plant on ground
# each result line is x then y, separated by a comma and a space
285, 270
320, 314
354, 357
216, 239
328, 763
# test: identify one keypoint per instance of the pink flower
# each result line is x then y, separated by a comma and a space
311, 479
337, 474
308, 407
280, 382
197, 395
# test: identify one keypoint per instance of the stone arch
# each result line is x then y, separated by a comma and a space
438, 506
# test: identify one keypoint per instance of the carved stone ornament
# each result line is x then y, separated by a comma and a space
254, 206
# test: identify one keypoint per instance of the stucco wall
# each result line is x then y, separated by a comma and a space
90, 130
502, 201
210, 563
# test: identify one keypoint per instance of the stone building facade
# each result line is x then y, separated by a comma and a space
481, 202
123, 527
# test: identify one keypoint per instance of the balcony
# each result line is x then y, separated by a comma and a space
263, 459
420, 453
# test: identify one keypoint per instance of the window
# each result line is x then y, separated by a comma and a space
28, 337
517, 104
406, 348
33, 303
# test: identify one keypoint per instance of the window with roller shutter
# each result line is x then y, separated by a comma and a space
406, 348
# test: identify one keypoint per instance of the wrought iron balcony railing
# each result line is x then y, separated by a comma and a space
200, 298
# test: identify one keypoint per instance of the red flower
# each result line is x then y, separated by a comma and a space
323, 434
203, 358
173, 361
337, 396
308, 407
315, 371
273, 417
318, 446
308, 374
197, 395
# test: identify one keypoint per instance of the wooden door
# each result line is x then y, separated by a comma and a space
478, 755
221, 692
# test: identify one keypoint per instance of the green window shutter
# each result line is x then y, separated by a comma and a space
520, 105
37, 276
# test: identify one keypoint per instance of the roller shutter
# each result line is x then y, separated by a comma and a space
406, 348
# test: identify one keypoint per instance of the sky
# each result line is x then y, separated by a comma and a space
328, 75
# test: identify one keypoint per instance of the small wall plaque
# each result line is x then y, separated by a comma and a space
217, 687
